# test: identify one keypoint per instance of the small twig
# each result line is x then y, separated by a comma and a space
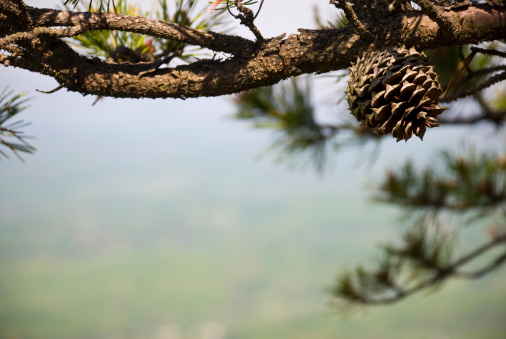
457, 78
99, 97
477, 252
230, 12
481, 272
247, 18
353, 18
31, 149
444, 273
485, 71
3, 142
470, 91
51, 91
259, 9
496, 117
491, 52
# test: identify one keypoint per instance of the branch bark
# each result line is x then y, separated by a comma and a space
253, 64
166, 30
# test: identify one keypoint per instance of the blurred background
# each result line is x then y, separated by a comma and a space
166, 219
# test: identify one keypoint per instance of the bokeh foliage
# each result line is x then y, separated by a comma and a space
11, 137
461, 190
475, 181
439, 203
289, 110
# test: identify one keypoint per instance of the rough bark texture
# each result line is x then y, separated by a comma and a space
29, 40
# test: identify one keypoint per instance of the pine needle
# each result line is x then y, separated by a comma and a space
457, 76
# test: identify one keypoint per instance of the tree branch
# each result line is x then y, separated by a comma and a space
446, 21
495, 118
253, 66
447, 272
487, 269
487, 113
477, 88
53, 32
484, 71
110, 21
247, 18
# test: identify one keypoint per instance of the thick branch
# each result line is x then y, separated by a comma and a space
166, 30
277, 59
447, 22
54, 32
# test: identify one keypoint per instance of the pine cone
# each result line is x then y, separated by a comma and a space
395, 91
